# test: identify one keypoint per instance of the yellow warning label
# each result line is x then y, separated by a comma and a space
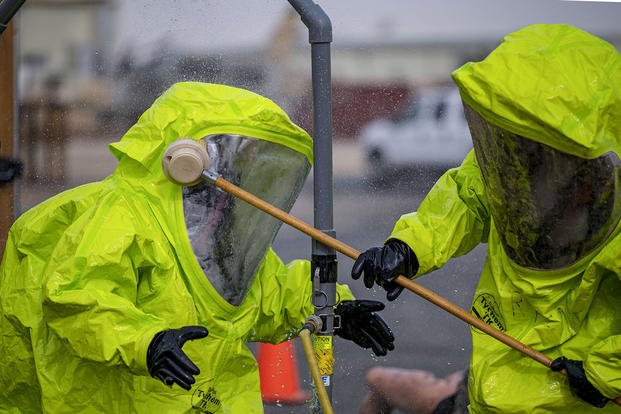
322, 345
322, 342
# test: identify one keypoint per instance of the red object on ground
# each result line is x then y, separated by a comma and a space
279, 374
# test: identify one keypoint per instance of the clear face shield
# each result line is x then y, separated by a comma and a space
229, 236
551, 209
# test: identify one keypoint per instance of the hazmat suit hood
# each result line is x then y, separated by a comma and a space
90, 276
196, 110
250, 142
546, 141
552, 83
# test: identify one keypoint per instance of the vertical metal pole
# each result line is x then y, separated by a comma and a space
324, 264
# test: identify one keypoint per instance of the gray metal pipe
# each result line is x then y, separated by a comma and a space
320, 36
317, 21
324, 264
322, 144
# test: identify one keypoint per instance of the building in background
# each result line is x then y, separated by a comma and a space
120, 54
383, 53
65, 39
100, 63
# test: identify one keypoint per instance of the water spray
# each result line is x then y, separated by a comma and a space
184, 167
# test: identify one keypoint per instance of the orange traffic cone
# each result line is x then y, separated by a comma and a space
279, 374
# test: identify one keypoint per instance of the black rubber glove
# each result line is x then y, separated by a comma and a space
383, 264
167, 362
578, 382
360, 324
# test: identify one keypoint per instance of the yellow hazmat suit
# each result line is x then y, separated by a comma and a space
558, 86
92, 274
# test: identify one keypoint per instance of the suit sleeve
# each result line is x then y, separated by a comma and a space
602, 359
285, 299
602, 366
91, 290
452, 219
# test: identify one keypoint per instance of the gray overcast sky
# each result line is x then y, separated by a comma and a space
217, 25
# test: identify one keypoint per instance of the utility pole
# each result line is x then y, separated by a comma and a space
7, 128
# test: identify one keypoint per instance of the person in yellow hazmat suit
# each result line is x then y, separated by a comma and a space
542, 189
138, 295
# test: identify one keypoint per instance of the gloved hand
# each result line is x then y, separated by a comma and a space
578, 382
167, 362
360, 324
383, 264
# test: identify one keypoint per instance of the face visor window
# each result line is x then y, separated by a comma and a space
550, 208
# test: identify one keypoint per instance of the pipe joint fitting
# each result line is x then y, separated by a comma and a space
313, 323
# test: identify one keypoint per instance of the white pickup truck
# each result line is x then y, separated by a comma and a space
431, 135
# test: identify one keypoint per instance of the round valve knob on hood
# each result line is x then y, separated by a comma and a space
184, 161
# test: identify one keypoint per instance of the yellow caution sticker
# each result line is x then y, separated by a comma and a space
322, 342
322, 345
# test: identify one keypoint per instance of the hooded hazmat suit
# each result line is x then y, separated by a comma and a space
92, 274
561, 87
